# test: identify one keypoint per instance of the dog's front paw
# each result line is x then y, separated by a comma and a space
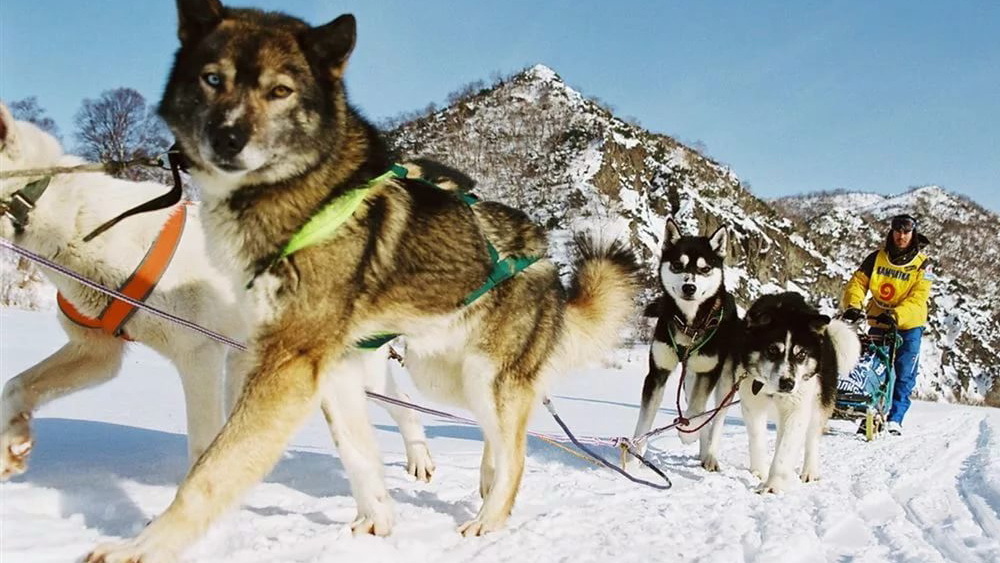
376, 519
128, 552
775, 484
760, 474
15, 446
710, 463
419, 463
809, 476
479, 526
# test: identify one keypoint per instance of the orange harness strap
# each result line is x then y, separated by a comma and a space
139, 285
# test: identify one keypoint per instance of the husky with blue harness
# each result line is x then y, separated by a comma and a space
334, 247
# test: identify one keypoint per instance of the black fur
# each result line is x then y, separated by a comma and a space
713, 330
771, 317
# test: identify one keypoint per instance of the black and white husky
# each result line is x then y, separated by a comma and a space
790, 361
696, 326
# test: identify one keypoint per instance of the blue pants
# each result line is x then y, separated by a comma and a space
906, 366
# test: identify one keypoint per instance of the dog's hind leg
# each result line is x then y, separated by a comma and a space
280, 393
345, 407
89, 358
201, 371
504, 423
378, 379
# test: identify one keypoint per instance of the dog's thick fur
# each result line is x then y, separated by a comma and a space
256, 101
790, 361
694, 294
191, 288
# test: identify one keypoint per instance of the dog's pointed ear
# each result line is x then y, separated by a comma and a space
719, 241
818, 323
331, 44
671, 234
197, 18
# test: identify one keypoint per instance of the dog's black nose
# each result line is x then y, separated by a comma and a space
786, 384
689, 289
229, 141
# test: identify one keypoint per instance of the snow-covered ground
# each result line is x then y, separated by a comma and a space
108, 459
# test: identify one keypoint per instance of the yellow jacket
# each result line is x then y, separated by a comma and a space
902, 290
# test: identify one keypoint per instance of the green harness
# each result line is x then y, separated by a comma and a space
684, 352
325, 223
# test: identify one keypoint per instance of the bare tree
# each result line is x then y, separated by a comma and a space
29, 110
118, 127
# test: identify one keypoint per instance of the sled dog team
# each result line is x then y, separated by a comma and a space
257, 104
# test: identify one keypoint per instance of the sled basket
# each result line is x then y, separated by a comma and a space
868, 387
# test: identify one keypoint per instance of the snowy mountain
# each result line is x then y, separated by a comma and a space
533, 142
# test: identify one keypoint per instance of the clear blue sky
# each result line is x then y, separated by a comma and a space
795, 96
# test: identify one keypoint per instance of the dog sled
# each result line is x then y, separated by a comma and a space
866, 392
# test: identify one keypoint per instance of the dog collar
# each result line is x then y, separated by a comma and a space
711, 324
711, 320
23, 201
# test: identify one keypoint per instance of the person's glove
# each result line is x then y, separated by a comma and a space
853, 315
886, 319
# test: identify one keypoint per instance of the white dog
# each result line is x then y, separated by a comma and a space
190, 288
790, 362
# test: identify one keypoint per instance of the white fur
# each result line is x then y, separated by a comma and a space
192, 288
801, 416
846, 343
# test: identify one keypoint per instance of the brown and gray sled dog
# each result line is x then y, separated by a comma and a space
256, 100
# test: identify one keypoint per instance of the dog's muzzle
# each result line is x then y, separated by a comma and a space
688, 290
228, 142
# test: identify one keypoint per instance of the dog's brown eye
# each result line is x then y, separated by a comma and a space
704, 270
279, 92
774, 351
800, 355
213, 79
676, 267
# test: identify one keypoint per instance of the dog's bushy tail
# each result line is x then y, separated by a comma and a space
601, 300
846, 346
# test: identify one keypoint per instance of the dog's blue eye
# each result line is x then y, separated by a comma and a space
213, 79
